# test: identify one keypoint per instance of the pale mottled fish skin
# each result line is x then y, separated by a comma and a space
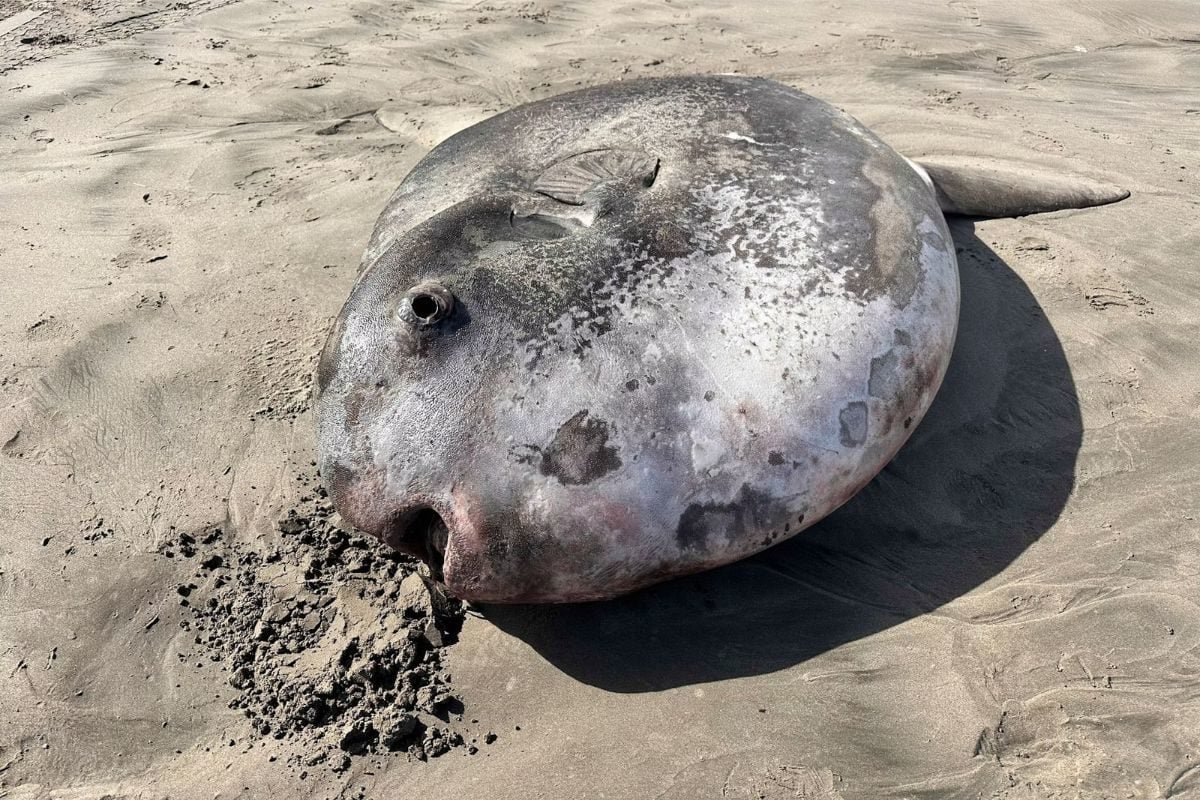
652, 381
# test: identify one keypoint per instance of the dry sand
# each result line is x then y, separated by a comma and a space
1009, 611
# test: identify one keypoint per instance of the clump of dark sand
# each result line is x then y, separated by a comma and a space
331, 638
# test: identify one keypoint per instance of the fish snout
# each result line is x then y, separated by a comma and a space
459, 545
435, 529
416, 527
455, 550
422, 532
487, 551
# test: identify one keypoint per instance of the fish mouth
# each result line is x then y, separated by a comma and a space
422, 533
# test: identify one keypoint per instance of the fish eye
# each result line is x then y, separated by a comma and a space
426, 304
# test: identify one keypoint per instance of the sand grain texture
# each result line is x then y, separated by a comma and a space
1008, 611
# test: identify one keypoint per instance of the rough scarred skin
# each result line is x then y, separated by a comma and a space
658, 381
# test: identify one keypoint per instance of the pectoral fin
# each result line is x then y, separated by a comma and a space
981, 189
572, 179
579, 189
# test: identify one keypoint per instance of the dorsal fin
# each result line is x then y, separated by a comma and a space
569, 180
982, 189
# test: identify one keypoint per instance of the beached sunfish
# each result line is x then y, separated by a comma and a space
642, 330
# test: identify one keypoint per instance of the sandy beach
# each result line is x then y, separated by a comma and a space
1010, 610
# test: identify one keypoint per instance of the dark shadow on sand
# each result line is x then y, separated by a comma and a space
985, 474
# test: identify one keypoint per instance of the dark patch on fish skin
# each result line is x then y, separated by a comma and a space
700, 523
853, 422
709, 395
632, 385
525, 453
775, 458
579, 452
901, 338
